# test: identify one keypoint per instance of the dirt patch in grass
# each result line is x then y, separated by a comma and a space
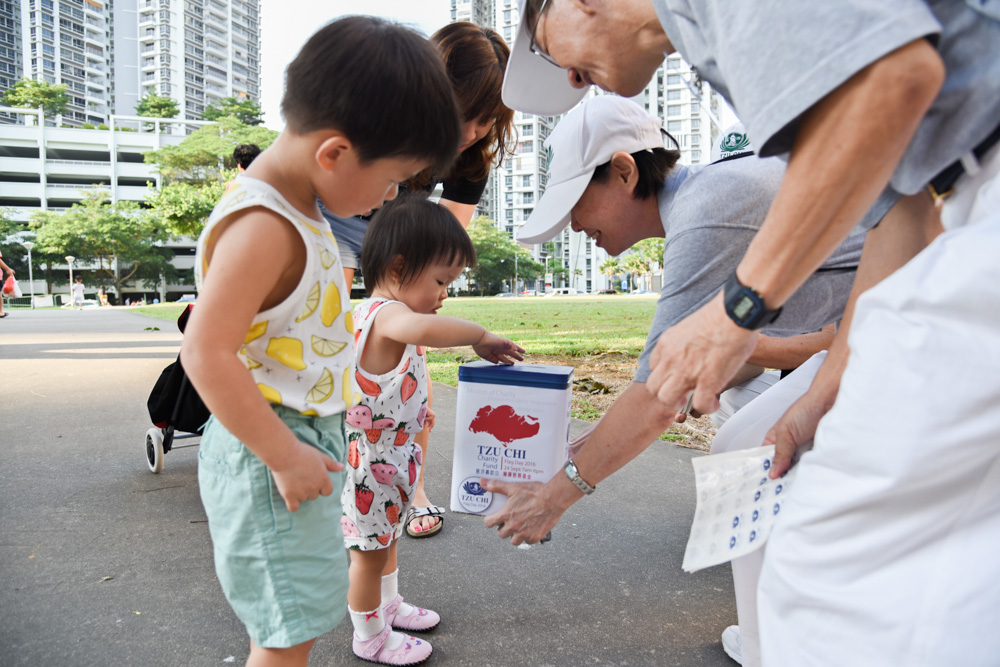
615, 371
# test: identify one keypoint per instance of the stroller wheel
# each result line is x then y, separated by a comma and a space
154, 449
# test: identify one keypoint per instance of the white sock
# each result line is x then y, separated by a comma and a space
390, 589
367, 624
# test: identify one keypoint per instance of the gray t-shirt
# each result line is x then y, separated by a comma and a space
775, 59
710, 213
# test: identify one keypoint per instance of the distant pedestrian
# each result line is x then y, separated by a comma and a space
77, 291
244, 154
9, 271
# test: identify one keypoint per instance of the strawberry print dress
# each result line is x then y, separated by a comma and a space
383, 460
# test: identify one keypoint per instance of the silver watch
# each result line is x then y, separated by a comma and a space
574, 476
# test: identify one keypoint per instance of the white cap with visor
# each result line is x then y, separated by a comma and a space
585, 139
531, 83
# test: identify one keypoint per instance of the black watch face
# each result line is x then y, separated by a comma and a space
744, 307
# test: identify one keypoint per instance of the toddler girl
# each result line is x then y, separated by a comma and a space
412, 251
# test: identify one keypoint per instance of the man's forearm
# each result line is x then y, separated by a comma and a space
632, 423
791, 352
845, 151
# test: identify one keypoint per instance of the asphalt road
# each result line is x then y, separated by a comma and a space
104, 563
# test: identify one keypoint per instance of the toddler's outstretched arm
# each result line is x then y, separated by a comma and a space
399, 323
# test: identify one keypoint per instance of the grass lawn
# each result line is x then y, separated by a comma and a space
575, 326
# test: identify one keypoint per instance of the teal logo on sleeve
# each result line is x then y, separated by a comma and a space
734, 142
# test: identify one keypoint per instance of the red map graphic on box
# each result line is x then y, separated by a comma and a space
504, 424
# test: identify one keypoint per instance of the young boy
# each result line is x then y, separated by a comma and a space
270, 345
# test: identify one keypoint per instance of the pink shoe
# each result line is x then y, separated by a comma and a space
412, 651
421, 620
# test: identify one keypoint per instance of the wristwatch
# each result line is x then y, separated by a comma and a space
574, 476
745, 306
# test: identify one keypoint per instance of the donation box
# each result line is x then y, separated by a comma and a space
512, 424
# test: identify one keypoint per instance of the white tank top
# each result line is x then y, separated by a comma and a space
300, 351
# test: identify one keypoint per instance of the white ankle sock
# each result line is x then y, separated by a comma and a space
390, 589
367, 624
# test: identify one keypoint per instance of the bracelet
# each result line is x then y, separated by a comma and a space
574, 476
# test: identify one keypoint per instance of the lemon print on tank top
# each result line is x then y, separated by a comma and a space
312, 302
269, 393
255, 332
349, 397
323, 388
349, 322
326, 348
326, 258
331, 304
286, 351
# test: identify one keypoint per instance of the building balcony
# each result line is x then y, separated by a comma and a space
20, 165
19, 191
84, 168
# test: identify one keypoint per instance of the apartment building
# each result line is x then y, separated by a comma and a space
11, 65
110, 54
193, 51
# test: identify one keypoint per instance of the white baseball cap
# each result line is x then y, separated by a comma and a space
585, 139
532, 84
734, 141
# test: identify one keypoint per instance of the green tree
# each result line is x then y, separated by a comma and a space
636, 266
194, 172
246, 110
207, 154
31, 94
156, 106
650, 250
96, 231
495, 253
184, 207
611, 267
555, 267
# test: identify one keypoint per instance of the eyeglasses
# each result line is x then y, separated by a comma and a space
533, 45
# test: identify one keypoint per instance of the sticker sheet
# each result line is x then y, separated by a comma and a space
737, 506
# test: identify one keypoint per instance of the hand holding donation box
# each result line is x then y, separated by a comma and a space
512, 424
737, 506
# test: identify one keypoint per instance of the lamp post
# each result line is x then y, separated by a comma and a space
31, 278
69, 261
517, 292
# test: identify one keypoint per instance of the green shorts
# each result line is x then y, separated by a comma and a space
284, 573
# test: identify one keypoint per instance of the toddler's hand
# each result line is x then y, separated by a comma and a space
429, 420
498, 350
304, 475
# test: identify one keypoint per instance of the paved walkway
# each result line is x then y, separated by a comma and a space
103, 563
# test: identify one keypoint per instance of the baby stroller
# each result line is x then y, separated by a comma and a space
173, 406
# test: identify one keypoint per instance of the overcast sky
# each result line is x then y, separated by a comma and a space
285, 25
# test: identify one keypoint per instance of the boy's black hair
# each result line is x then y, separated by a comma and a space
380, 84
244, 154
653, 165
418, 230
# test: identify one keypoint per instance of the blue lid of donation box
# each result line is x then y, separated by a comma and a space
520, 375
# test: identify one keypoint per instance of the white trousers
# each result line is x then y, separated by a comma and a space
888, 552
745, 429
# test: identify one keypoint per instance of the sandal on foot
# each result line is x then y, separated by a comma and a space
416, 512
420, 620
412, 651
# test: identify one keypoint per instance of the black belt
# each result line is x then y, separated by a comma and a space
942, 184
